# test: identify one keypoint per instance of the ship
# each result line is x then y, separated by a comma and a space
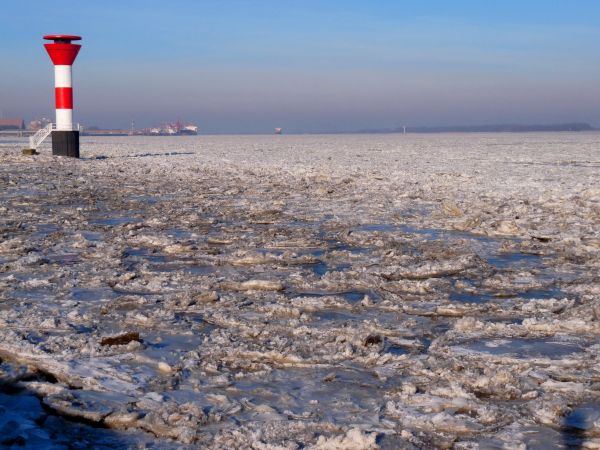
188, 129
174, 129
278, 130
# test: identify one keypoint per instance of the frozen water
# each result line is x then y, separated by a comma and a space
527, 348
311, 292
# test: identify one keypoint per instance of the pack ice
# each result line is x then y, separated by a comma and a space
320, 292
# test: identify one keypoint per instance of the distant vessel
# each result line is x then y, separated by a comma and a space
278, 130
165, 129
169, 130
173, 129
188, 129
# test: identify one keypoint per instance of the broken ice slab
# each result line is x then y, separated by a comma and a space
351, 296
515, 260
320, 268
171, 346
92, 294
194, 269
397, 350
104, 221
485, 296
584, 419
38, 295
344, 394
336, 315
522, 348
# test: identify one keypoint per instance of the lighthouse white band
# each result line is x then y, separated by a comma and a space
64, 119
62, 76
62, 79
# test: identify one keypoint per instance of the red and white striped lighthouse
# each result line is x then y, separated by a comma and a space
65, 138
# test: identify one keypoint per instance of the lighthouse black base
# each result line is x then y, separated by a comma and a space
65, 143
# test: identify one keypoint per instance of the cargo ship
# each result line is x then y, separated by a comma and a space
165, 129
188, 129
174, 129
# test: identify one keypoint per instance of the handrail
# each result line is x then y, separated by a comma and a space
36, 140
40, 135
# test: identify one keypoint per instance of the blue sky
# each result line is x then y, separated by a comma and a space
248, 66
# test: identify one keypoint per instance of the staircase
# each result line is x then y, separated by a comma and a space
36, 140
40, 135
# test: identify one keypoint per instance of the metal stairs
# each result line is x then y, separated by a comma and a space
36, 140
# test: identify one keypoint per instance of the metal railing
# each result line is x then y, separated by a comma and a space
42, 133
36, 140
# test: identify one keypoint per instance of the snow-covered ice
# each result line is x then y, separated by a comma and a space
331, 291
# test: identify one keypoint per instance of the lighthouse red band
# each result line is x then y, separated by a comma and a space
63, 53
64, 98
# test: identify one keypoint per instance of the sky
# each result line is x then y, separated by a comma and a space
247, 66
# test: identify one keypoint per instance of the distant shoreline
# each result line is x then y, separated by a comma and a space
573, 127
308, 133
502, 128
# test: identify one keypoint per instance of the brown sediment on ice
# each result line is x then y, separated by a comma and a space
337, 292
121, 339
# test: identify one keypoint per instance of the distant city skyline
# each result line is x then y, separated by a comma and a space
250, 66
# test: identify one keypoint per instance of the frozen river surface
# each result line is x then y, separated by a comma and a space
330, 292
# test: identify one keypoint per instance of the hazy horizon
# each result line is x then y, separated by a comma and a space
243, 67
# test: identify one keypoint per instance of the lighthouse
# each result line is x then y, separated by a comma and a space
65, 135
